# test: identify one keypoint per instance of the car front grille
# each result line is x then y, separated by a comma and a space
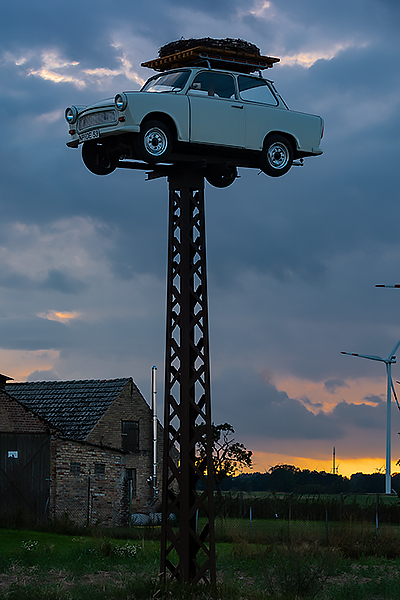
97, 119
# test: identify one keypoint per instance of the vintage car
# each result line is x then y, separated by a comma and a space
220, 118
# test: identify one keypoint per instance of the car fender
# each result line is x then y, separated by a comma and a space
169, 107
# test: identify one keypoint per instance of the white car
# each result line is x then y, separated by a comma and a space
224, 119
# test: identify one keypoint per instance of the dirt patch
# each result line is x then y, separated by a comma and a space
25, 576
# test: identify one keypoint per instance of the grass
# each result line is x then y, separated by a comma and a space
352, 564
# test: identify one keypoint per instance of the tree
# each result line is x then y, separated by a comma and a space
228, 456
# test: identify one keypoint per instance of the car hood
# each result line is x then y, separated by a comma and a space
106, 103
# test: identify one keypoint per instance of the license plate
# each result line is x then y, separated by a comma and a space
89, 135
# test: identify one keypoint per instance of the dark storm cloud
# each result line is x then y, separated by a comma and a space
62, 281
43, 375
56, 279
33, 334
9, 279
375, 399
255, 406
334, 384
363, 416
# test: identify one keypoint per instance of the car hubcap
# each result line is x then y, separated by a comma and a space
278, 156
155, 141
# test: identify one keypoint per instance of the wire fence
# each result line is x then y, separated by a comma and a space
274, 518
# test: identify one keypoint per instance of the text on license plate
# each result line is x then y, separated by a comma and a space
89, 135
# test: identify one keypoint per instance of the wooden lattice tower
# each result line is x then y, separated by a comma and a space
187, 550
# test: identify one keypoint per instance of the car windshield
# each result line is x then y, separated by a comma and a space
169, 82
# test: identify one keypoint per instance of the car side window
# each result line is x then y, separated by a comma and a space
256, 89
208, 83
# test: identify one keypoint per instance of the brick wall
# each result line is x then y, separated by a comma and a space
15, 418
83, 490
131, 406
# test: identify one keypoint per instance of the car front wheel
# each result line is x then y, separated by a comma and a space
154, 142
277, 156
97, 159
221, 178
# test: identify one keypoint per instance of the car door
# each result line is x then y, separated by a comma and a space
216, 116
261, 109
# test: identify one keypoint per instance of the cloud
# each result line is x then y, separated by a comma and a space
43, 375
61, 316
334, 384
268, 413
62, 281
33, 334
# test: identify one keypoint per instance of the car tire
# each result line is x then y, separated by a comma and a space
154, 142
97, 159
276, 156
221, 178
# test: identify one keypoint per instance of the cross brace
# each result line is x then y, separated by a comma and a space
187, 549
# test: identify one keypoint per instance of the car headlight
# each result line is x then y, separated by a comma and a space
71, 114
121, 101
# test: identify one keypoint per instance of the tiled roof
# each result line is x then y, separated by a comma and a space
72, 407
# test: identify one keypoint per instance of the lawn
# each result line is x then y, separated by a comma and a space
354, 564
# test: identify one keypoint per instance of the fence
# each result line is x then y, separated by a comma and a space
270, 518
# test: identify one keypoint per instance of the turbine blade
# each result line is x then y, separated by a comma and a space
393, 352
394, 393
369, 356
396, 285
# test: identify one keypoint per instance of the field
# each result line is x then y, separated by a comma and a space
264, 560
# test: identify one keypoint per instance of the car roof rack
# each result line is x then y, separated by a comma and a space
222, 58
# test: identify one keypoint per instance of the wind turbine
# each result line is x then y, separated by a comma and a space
389, 360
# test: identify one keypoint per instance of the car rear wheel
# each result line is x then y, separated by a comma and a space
154, 142
221, 178
97, 158
277, 156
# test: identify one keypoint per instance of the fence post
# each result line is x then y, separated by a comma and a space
341, 506
326, 525
130, 501
377, 516
88, 501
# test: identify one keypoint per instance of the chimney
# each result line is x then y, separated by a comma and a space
3, 381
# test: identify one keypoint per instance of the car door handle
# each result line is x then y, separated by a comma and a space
237, 105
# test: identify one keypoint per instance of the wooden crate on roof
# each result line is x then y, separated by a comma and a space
223, 58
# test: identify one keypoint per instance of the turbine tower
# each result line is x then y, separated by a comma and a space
389, 360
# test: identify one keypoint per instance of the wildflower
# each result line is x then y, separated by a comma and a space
30, 545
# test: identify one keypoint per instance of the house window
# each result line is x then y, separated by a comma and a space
130, 436
75, 468
99, 469
130, 476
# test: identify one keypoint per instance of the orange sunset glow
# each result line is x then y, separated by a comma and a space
346, 467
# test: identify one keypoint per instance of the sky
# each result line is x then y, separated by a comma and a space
292, 261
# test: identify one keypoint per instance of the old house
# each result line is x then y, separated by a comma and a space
84, 448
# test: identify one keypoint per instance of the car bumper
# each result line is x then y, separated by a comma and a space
75, 141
